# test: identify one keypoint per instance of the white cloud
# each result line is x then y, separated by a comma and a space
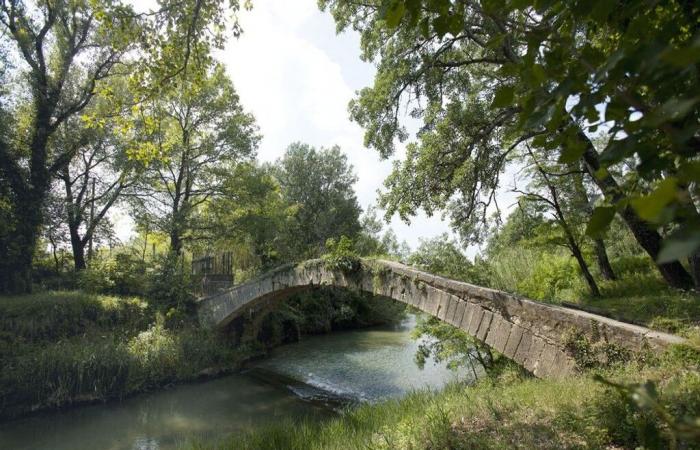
297, 77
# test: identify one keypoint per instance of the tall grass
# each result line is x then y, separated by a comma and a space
50, 316
64, 348
510, 412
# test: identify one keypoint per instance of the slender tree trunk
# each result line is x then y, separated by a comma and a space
694, 261
648, 238
601, 252
576, 251
175, 242
601, 255
572, 243
78, 246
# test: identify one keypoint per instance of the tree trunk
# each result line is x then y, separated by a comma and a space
17, 273
601, 255
648, 238
175, 243
78, 246
576, 251
694, 261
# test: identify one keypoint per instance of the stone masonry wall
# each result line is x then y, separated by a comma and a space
533, 334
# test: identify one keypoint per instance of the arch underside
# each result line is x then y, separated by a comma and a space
533, 334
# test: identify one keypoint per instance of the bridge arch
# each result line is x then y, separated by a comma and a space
533, 334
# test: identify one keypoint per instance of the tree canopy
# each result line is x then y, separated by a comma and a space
486, 78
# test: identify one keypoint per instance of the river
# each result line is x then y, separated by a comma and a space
309, 379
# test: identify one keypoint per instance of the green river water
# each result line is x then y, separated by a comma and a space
310, 379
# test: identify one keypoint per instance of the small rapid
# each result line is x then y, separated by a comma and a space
313, 379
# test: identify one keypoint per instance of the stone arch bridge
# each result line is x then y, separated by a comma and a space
536, 335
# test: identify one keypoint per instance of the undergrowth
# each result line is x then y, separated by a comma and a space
506, 412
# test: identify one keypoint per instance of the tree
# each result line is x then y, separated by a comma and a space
320, 183
193, 137
554, 200
485, 77
66, 49
374, 240
52, 39
94, 179
250, 218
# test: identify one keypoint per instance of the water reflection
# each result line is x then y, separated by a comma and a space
359, 365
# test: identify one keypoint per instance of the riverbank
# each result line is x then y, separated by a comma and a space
513, 410
63, 349
67, 348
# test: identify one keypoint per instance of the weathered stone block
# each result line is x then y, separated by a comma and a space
502, 335
523, 347
543, 366
533, 356
444, 304
469, 310
484, 326
516, 333
451, 307
459, 313
476, 321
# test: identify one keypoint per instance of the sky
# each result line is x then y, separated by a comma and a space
296, 75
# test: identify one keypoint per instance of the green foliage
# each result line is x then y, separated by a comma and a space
552, 275
373, 240
508, 412
342, 255
652, 418
63, 348
249, 219
442, 256
320, 183
446, 343
496, 84
170, 285
189, 161
122, 274
54, 316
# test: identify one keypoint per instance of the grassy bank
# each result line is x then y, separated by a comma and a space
62, 348
505, 412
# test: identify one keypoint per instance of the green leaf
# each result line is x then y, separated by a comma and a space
441, 25
689, 171
503, 97
600, 221
649, 207
539, 73
683, 57
673, 109
394, 14
572, 151
496, 41
679, 246
602, 9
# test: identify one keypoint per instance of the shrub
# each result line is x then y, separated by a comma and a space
341, 255
170, 285
121, 274
551, 276
51, 316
